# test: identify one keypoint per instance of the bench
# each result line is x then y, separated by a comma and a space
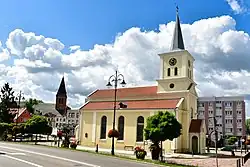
129, 148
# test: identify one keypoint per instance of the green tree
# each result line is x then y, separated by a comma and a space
232, 140
37, 125
7, 100
29, 104
160, 127
248, 126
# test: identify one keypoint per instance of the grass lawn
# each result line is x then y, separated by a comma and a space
115, 156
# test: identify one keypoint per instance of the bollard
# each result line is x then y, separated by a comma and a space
96, 150
238, 163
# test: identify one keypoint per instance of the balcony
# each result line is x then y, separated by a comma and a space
239, 124
228, 125
218, 105
218, 112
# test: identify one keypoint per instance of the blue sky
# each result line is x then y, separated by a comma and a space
89, 22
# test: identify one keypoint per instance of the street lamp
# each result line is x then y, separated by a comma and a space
115, 79
19, 97
216, 139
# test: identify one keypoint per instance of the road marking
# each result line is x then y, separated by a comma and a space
51, 156
3, 152
27, 162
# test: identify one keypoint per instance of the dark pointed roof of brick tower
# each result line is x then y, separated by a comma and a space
62, 88
177, 40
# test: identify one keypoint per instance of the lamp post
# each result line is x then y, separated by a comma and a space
19, 97
216, 139
115, 79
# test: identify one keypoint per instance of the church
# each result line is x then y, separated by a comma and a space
175, 92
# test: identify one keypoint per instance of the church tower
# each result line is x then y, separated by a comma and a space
61, 98
176, 66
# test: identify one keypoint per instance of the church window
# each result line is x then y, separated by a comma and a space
140, 127
103, 127
190, 75
171, 85
192, 113
175, 71
121, 128
169, 71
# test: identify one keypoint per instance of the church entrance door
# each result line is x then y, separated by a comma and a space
195, 145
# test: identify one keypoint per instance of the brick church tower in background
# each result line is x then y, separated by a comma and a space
61, 98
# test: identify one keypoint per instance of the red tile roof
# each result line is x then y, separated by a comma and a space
125, 92
195, 126
135, 104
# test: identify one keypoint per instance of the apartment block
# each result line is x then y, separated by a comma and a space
229, 112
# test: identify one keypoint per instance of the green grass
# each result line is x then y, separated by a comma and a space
109, 155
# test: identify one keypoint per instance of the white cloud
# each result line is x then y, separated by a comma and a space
235, 6
74, 47
221, 66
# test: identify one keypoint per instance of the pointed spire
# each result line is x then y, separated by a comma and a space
62, 88
177, 41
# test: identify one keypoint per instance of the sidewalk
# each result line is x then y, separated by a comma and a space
124, 152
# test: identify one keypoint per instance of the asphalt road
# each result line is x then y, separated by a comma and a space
38, 156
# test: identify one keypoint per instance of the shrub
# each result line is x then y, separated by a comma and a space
113, 133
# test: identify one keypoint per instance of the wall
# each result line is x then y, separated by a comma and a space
130, 128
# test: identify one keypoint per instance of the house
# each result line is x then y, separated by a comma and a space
21, 114
175, 92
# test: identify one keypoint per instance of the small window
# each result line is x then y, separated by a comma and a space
140, 127
175, 71
169, 71
103, 127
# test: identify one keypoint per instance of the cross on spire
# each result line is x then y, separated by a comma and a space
177, 40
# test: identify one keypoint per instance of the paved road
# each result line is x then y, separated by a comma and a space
37, 156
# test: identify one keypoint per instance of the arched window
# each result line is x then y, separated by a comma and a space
175, 71
103, 127
169, 71
121, 128
140, 127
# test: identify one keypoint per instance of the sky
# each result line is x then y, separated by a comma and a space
85, 40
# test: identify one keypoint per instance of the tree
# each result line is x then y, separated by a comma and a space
29, 104
7, 100
37, 125
160, 127
232, 140
248, 126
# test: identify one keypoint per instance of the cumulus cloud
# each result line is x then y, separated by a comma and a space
221, 66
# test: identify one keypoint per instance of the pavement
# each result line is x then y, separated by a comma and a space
14, 154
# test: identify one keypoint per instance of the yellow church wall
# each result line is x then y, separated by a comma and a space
130, 127
86, 128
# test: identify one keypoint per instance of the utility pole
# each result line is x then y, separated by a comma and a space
216, 139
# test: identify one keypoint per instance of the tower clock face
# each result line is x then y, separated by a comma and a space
172, 61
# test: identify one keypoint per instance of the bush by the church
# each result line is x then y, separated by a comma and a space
113, 133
